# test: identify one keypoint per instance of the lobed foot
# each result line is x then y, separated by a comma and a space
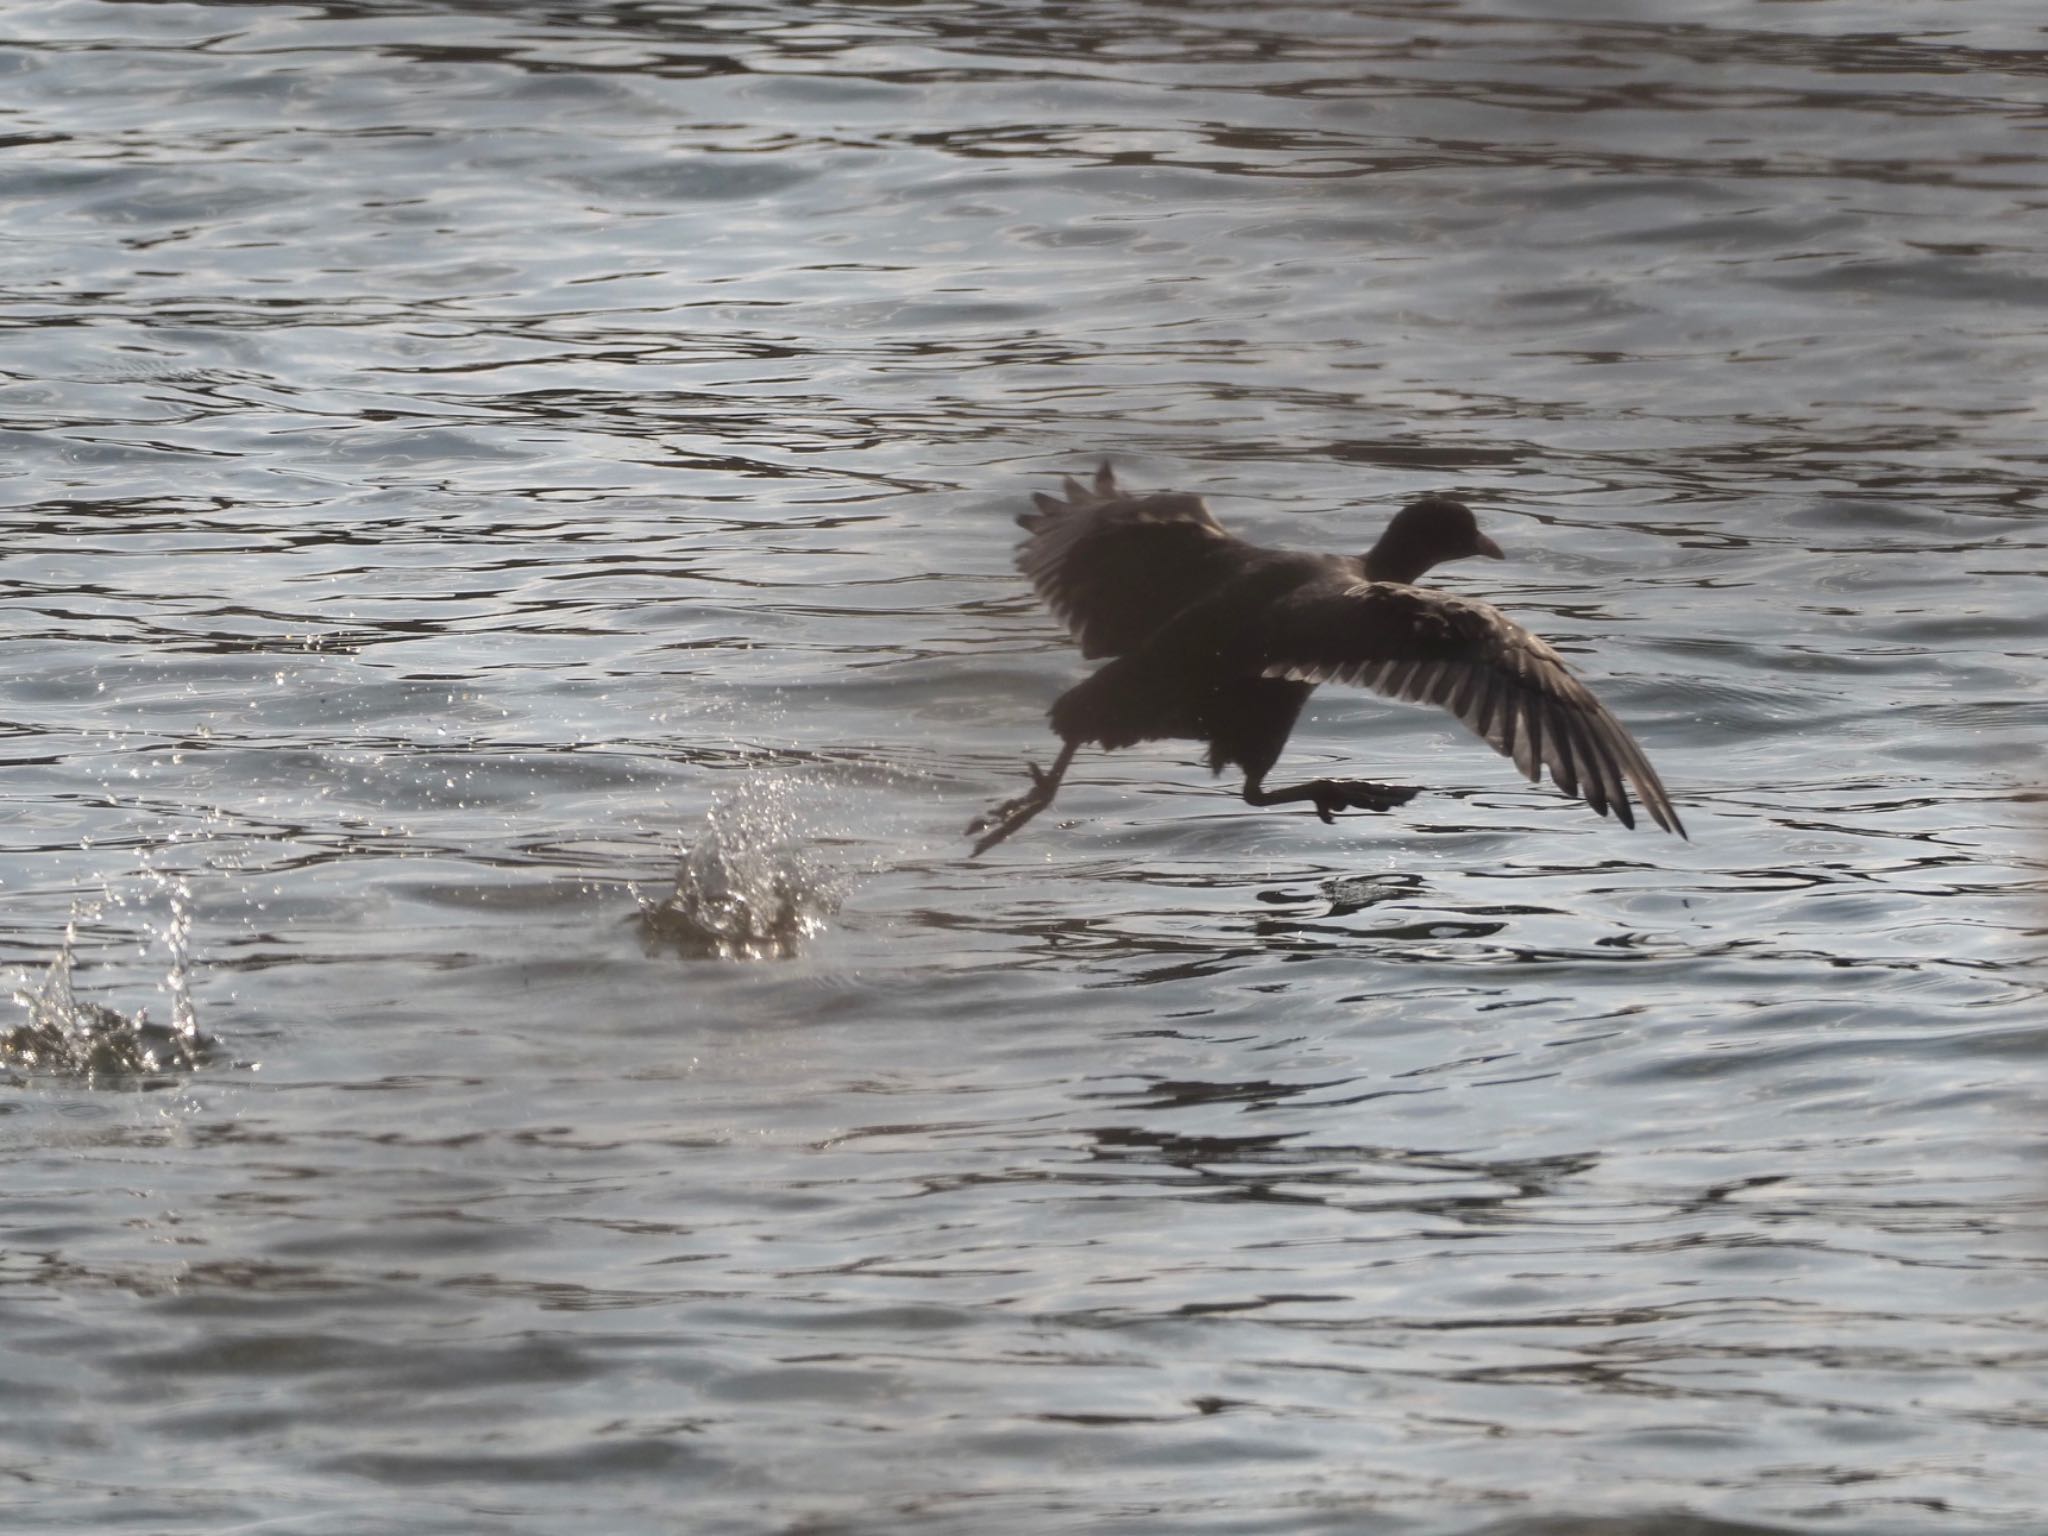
1333, 795
999, 821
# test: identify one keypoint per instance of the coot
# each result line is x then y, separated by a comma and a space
1220, 641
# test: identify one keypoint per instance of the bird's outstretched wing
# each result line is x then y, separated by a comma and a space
1114, 568
1506, 684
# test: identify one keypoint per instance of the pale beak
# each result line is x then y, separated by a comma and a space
1482, 545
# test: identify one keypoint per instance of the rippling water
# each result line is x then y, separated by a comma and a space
504, 544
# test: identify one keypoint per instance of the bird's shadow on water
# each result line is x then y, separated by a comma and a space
1299, 1169
1155, 922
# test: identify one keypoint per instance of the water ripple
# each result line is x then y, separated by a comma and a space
468, 467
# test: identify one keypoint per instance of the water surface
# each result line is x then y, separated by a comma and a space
467, 468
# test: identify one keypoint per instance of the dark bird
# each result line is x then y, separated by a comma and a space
1220, 641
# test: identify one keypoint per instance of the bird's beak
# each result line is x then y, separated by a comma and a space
1482, 545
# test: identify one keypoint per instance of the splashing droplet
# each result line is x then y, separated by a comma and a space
747, 889
69, 1036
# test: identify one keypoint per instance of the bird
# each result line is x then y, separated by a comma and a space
1214, 639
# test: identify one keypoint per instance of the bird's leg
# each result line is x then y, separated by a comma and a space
1332, 795
999, 821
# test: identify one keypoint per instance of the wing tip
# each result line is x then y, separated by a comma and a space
1665, 814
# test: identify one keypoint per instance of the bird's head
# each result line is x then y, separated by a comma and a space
1426, 533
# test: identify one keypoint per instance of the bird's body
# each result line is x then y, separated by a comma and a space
1217, 640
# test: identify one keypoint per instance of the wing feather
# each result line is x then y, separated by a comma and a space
1530, 756
1508, 686
1520, 740
1115, 567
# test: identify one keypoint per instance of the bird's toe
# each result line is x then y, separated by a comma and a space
1377, 797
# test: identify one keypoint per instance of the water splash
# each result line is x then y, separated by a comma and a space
749, 888
66, 1035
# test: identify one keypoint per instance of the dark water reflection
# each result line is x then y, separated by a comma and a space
504, 530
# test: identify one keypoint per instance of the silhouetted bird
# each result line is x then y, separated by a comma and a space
1221, 641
